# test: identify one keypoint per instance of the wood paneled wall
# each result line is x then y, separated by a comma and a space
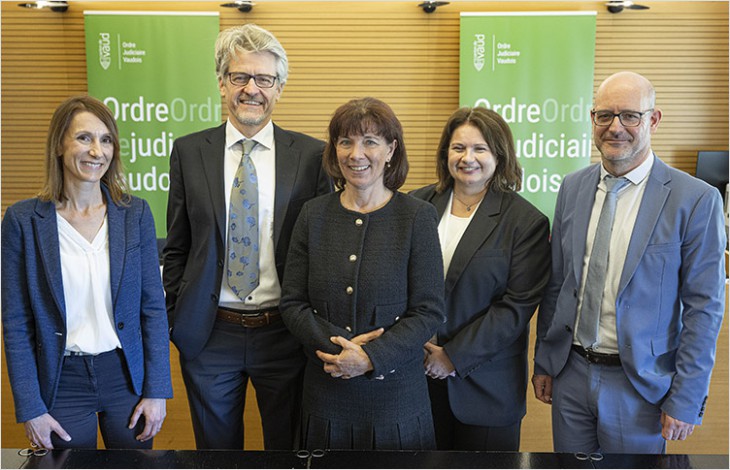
391, 50
396, 52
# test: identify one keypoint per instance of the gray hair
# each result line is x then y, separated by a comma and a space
249, 38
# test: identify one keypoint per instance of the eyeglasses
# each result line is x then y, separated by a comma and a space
261, 81
627, 118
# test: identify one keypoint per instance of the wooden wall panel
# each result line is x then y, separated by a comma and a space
396, 52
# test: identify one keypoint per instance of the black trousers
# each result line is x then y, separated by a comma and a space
452, 434
217, 379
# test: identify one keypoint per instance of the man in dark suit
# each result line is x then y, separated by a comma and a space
227, 334
626, 361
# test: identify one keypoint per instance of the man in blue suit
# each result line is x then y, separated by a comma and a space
226, 336
643, 377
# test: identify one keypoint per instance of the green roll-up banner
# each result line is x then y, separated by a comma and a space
536, 70
156, 73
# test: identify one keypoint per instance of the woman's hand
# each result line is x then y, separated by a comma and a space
39, 429
154, 412
352, 361
437, 362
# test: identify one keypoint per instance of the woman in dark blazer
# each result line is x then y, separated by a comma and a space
362, 291
84, 321
496, 259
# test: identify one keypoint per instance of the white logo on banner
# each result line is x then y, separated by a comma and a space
105, 50
479, 48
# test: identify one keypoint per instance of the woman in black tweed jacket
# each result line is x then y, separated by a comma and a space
363, 291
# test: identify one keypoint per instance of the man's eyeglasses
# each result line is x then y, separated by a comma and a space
261, 81
627, 118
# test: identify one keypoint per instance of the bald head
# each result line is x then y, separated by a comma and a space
625, 145
628, 84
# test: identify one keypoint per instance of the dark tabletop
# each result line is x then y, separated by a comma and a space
347, 459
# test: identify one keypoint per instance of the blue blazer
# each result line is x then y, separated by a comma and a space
33, 304
670, 299
494, 283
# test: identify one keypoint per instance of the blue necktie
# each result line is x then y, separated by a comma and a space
590, 311
243, 229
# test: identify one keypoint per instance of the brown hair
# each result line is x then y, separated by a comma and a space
359, 117
53, 189
497, 134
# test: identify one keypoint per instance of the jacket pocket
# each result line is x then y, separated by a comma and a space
385, 315
319, 309
665, 343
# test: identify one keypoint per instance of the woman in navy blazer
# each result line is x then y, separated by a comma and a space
84, 321
496, 263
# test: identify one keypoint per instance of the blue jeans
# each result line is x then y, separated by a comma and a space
97, 388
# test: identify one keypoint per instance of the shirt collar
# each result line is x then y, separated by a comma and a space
638, 174
265, 136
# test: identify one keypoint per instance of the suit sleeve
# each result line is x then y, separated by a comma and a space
19, 325
312, 330
153, 319
425, 312
502, 322
702, 296
178, 242
549, 301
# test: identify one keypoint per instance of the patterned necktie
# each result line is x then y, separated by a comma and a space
595, 282
243, 229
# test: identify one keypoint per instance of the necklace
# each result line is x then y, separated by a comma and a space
468, 206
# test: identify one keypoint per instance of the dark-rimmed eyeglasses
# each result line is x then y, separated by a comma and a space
261, 81
626, 118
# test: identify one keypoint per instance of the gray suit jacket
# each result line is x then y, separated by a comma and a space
196, 218
493, 285
670, 299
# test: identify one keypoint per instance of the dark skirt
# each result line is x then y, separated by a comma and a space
367, 414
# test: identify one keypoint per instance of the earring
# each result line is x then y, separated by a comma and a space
387, 163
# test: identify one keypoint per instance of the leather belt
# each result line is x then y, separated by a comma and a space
77, 353
598, 358
249, 320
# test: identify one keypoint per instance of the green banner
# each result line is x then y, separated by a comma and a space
156, 73
536, 70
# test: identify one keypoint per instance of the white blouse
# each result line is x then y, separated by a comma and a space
451, 229
87, 290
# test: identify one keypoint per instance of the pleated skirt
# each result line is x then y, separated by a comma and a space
367, 414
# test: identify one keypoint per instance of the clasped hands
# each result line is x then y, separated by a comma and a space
352, 360
437, 362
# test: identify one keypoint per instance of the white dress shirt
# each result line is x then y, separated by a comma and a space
268, 292
627, 208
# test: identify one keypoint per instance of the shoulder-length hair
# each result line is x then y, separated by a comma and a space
113, 179
359, 117
497, 134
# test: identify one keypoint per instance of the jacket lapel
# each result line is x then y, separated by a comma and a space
480, 228
212, 156
287, 165
646, 219
587, 193
46, 236
117, 244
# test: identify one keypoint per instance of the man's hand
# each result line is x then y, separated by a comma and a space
674, 429
543, 385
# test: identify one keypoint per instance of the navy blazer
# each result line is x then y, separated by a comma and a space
494, 283
671, 295
33, 304
196, 222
